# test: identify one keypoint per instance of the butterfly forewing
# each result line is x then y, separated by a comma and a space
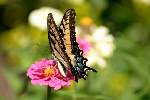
56, 44
65, 29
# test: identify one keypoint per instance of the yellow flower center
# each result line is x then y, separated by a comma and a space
49, 71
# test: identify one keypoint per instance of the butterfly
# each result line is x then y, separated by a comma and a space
64, 46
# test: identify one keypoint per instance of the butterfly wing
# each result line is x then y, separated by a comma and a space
66, 28
68, 34
57, 45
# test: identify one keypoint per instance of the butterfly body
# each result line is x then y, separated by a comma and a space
65, 49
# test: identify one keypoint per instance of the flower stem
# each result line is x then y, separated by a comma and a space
49, 96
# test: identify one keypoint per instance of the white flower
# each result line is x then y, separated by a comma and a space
95, 58
100, 33
103, 41
102, 45
38, 17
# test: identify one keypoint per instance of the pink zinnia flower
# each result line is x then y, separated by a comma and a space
45, 72
84, 45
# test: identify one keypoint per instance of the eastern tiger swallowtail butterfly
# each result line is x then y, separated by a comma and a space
65, 49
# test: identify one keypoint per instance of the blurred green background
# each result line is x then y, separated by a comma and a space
126, 74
